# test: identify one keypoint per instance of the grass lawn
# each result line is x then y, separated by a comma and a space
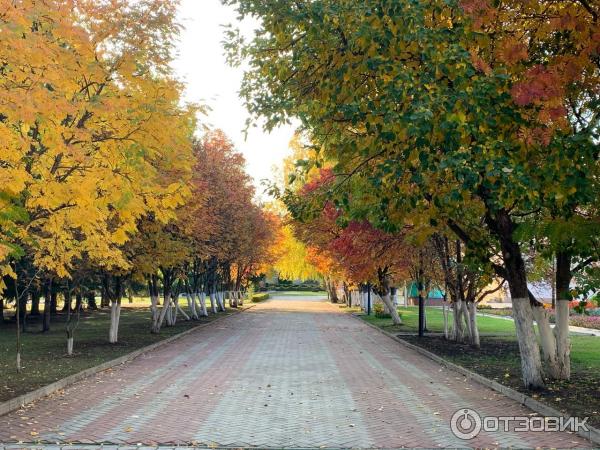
435, 322
498, 359
44, 356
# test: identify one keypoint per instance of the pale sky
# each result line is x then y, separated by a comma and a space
201, 65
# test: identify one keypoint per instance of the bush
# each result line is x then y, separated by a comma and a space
481, 306
585, 321
250, 291
259, 297
379, 311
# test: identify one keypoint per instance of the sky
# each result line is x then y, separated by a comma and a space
201, 65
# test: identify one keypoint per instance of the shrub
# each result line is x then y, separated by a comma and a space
259, 297
586, 322
250, 291
482, 306
379, 311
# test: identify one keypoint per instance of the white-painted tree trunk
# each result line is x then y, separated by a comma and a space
115, 315
163, 314
547, 340
472, 308
563, 342
213, 302
465, 314
202, 301
531, 364
168, 312
387, 301
154, 310
240, 298
180, 309
220, 300
445, 313
458, 333
191, 302
69, 346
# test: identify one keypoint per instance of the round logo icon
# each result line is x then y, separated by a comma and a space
465, 423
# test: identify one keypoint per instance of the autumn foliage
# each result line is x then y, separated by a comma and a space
103, 183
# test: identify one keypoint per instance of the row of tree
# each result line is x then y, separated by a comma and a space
472, 124
102, 181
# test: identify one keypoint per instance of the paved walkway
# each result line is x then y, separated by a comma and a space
290, 372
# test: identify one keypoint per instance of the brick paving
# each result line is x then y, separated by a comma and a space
290, 372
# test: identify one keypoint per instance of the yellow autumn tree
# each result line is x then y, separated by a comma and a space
87, 94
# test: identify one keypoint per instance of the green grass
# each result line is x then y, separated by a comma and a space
44, 356
435, 322
300, 294
259, 297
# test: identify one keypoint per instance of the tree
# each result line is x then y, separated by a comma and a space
410, 98
85, 165
294, 261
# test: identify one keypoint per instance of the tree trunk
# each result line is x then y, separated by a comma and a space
47, 305
164, 311
115, 315
384, 285
445, 313
191, 301
54, 302
220, 301
35, 303
1, 310
561, 329
458, 331
23, 311
531, 365
387, 300
466, 316
78, 301
91, 301
331, 287
547, 340
154, 328
168, 308
472, 308
563, 342
202, 300
67, 302
213, 304
180, 309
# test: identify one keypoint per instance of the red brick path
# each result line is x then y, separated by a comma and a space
290, 372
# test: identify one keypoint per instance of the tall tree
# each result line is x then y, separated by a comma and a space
410, 97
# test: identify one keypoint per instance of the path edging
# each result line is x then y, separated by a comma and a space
19, 402
593, 435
